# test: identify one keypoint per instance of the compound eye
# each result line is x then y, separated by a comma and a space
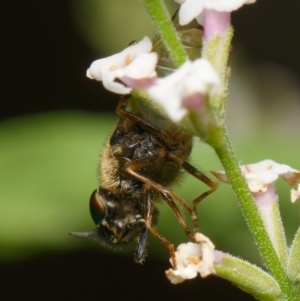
97, 208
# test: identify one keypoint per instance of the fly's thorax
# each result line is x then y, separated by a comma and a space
134, 143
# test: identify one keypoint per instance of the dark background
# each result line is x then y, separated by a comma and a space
43, 57
43, 60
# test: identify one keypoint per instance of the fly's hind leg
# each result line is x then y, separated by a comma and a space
203, 178
121, 110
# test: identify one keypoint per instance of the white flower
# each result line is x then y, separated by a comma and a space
191, 81
260, 175
132, 65
193, 258
191, 9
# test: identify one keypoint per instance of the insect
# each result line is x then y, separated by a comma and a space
144, 157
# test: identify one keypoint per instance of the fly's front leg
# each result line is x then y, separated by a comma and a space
141, 251
203, 178
162, 239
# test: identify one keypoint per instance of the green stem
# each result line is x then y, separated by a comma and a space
161, 18
250, 212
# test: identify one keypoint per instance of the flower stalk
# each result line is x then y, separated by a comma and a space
162, 20
252, 217
194, 97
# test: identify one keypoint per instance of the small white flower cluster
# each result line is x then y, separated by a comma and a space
134, 67
259, 176
193, 259
135, 63
192, 80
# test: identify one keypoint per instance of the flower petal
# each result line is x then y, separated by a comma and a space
226, 5
295, 194
119, 65
260, 175
193, 259
191, 9
172, 92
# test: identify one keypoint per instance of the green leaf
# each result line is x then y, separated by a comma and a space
249, 278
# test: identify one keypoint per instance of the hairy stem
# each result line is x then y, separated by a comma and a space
162, 20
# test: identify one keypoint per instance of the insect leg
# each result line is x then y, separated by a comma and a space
203, 178
177, 213
141, 246
146, 125
163, 240
166, 194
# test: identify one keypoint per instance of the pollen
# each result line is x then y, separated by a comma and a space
248, 168
193, 260
112, 67
128, 59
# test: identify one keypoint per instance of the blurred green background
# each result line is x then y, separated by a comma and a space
55, 122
